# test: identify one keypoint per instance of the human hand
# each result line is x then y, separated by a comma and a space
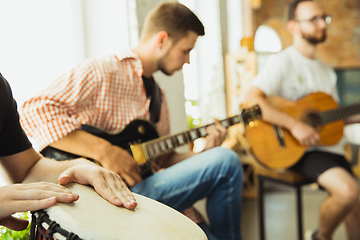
108, 184
29, 197
216, 135
305, 134
121, 162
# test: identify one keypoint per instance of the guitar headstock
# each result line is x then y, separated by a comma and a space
251, 114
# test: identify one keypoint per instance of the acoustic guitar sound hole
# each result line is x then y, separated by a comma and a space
314, 120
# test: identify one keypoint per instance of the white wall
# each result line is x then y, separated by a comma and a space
43, 39
37, 43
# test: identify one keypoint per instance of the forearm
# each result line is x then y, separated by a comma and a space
273, 115
269, 113
83, 144
110, 156
30, 166
47, 170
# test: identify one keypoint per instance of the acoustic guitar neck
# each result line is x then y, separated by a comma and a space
339, 113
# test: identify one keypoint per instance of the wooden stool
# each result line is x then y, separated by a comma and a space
283, 177
256, 175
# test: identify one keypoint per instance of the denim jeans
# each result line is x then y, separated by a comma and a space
215, 174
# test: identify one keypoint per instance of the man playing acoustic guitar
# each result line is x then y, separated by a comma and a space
110, 92
293, 74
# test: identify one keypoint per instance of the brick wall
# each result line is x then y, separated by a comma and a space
342, 47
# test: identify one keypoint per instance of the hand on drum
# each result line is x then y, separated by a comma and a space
108, 184
29, 197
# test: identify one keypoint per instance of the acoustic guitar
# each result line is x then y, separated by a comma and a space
274, 147
141, 139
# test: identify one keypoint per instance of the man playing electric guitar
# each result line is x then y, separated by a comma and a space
293, 74
110, 92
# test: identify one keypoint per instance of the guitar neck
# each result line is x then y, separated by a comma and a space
160, 146
339, 113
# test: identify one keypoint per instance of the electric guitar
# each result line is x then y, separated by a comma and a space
141, 139
275, 147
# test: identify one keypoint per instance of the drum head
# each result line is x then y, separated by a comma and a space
92, 217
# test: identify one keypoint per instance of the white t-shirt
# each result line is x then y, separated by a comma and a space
292, 76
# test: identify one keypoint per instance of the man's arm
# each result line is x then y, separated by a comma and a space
305, 134
111, 157
29, 166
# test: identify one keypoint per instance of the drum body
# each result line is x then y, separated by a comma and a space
92, 217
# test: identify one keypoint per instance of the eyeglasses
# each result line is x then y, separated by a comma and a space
317, 19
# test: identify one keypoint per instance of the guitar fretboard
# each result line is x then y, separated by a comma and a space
339, 113
158, 147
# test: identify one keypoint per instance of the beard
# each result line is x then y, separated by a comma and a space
162, 68
162, 65
313, 39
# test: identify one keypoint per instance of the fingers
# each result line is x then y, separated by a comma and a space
108, 184
64, 178
311, 141
33, 204
40, 190
305, 134
30, 197
216, 134
131, 174
115, 191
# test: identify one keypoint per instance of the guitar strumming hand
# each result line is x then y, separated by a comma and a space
304, 133
120, 161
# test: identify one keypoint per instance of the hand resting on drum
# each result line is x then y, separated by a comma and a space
30, 197
35, 194
108, 184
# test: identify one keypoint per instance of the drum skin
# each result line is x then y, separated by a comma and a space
92, 217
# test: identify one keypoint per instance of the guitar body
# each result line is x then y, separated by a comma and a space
275, 147
137, 131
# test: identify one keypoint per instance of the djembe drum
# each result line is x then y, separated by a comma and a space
92, 217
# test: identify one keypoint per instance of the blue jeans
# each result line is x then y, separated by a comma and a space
215, 174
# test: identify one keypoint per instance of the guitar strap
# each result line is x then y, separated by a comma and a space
154, 93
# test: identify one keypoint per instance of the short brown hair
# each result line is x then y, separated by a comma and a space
174, 18
292, 9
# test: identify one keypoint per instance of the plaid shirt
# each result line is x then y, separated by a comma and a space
107, 93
